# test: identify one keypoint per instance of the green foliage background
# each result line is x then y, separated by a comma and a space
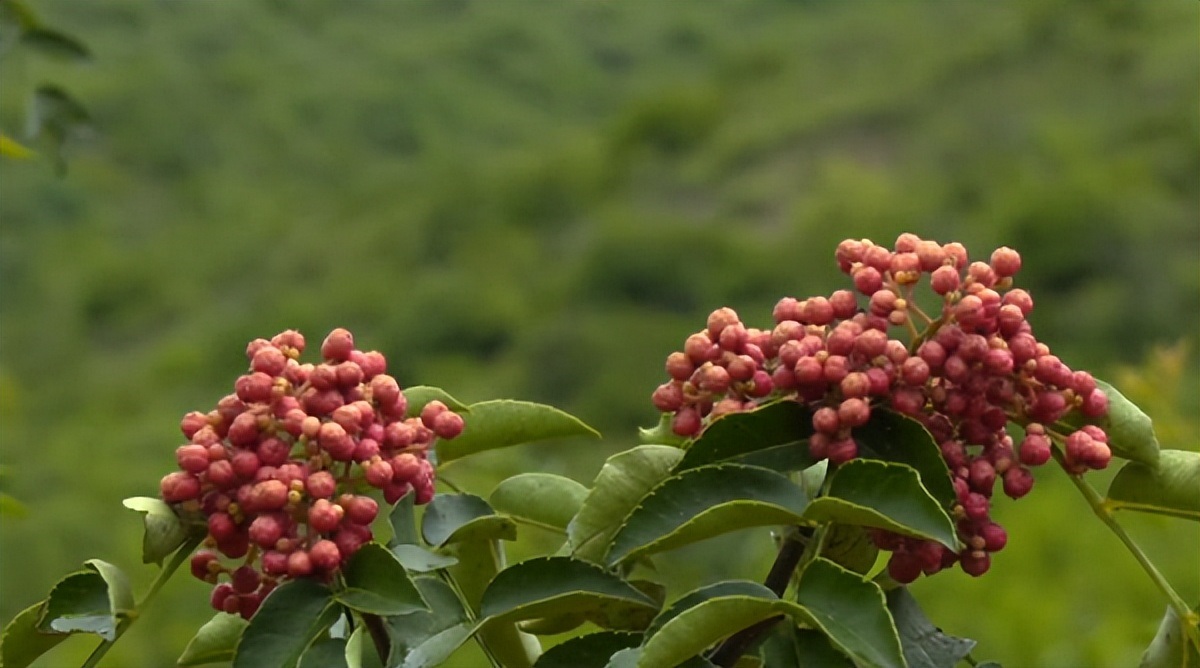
541, 200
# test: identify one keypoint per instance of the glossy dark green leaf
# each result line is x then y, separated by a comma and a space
590, 651
893, 437
851, 612
499, 424
632, 658
884, 495
215, 641
1172, 487
22, 643
292, 616
924, 645
419, 560
445, 610
698, 596
1130, 431
377, 583
453, 518
550, 586
55, 44
776, 433
327, 653
697, 628
624, 479
850, 547
89, 601
789, 647
163, 534
1170, 647
419, 395
543, 499
360, 650
705, 502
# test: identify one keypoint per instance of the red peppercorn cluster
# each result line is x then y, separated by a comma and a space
274, 467
965, 372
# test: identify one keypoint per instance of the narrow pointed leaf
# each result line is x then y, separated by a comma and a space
852, 612
542, 498
55, 44
924, 645
705, 502
1170, 647
501, 423
22, 642
888, 496
291, 617
360, 650
549, 586
215, 641
695, 629
454, 518
893, 437
777, 432
624, 478
1130, 431
89, 601
1172, 487
419, 560
164, 533
377, 583
590, 651
419, 395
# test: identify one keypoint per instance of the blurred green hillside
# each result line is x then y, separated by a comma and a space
542, 200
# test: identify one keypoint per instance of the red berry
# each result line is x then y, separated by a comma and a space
179, 486
325, 555
324, 516
337, 346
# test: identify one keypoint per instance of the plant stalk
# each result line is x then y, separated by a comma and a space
1101, 509
165, 574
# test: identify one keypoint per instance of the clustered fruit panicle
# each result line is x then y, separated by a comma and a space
274, 469
965, 373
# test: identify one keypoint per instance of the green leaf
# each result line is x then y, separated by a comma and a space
360, 650
327, 653
1130, 431
404, 522
22, 643
893, 437
850, 547
1170, 647
551, 586
789, 647
439, 647
419, 560
852, 612
89, 601
11, 148
705, 502
455, 518
215, 641
292, 616
924, 645
624, 478
55, 44
888, 496
1172, 487
544, 499
774, 434
164, 533
419, 395
629, 658
445, 610
589, 651
501, 423
698, 596
377, 583
661, 433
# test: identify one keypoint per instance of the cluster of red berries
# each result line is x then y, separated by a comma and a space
965, 373
274, 468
